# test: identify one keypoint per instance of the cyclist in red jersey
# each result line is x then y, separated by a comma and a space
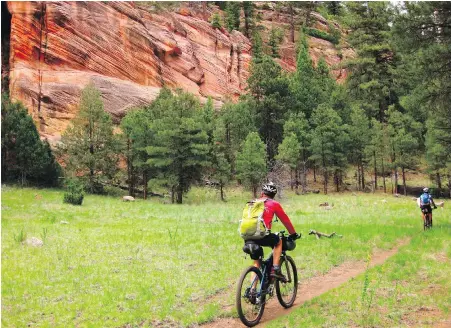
272, 207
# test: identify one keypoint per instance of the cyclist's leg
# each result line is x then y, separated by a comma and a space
276, 253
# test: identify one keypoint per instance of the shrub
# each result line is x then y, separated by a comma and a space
216, 21
74, 194
322, 35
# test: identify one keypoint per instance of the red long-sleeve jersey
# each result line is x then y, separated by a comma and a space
272, 207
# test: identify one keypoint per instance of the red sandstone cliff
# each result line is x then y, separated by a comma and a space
129, 53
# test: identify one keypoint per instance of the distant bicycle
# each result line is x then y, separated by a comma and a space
256, 286
427, 223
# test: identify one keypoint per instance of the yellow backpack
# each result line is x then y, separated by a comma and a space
252, 226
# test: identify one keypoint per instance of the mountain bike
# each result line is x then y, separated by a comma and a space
427, 217
256, 285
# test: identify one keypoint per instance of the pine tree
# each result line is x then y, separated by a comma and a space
329, 139
371, 73
438, 158
299, 126
232, 11
273, 98
24, 156
136, 127
423, 36
180, 150
289, 153
304, 81
257, 47
251, 163
359, 135
219, 169
89, 143
403, 133
275, 38
376, 151
234, 123
248, 9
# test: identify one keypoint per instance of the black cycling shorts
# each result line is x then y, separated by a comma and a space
270, 240
426, 209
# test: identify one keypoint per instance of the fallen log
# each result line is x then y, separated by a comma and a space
320, 234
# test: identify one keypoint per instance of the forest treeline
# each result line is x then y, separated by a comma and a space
391, 116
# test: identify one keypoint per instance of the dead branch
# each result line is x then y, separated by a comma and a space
320, 234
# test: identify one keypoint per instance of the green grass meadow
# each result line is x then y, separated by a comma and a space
149, 263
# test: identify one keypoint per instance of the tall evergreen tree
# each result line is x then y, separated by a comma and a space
248, 9
359, 135
89, 142
423, 35
273, 98
289, 153
24, 156
299, 126
403, 134
251, 163
232, 11
234, 123
329, 139
371, 72
275, 38
304, 81
180, 149
219, 169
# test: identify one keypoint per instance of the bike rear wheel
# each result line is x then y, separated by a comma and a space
287, 291
250, 300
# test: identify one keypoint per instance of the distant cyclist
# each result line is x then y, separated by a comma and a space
272, 207
425, 203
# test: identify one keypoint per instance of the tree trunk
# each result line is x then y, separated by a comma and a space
172, 194
179, 195
404, 180
375, 171
291, 178
383, 176
23, 178
359, 184
292, 25
304, 177
129, 169
254, 190
296, 183
145, 184
395, 190
337, 180
439, 180
314, 173
325, 181
221, 188
449, 185
363, 175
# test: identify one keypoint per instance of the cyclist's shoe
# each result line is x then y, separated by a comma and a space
277, 274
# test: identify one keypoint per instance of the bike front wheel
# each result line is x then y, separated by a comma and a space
250, 297
287, 291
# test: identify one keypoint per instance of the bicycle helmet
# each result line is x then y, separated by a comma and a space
426, 189
269, 189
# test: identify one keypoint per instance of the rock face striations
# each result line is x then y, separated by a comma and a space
129, 53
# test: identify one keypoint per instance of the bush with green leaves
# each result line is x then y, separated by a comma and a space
74, 194
321, 35
216, 21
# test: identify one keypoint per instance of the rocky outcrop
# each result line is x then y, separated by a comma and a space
129, 53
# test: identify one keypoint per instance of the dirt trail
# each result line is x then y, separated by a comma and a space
314, 287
